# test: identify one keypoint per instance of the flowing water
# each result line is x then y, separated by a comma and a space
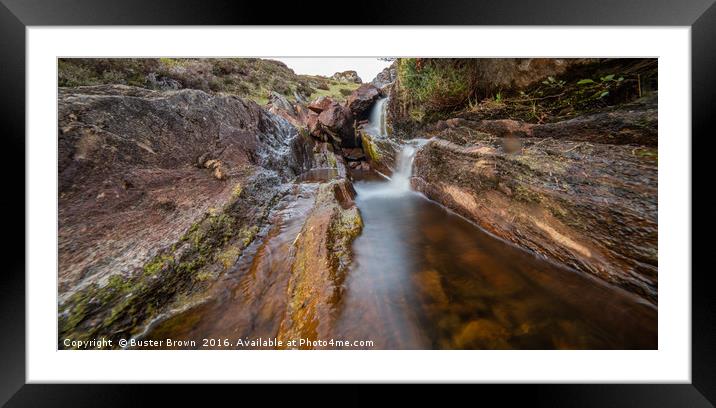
421, 278
377, 120
425, 278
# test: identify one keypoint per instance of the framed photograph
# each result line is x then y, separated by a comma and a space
486, 194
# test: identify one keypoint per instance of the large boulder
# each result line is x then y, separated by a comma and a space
347, 76
337, 121
279, 105
312, 124
385, 77
153, 187
361, 100
280, 102
320, 104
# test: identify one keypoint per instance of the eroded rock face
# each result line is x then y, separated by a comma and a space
385, 77
573, 177
153, 188
361, 100
591, 206
379, 152
322, 257
631, 124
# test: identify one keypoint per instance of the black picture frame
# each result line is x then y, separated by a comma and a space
15, 15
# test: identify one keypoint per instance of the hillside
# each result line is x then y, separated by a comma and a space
251, 78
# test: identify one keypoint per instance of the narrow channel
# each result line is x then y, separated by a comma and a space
425, 278
421, 277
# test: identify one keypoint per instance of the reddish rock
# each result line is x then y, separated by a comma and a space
314, 128
353, 153
362, 99
337, 121
555, 197
129, 191
320, 104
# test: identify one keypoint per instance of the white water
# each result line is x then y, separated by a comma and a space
399, 182
376, 122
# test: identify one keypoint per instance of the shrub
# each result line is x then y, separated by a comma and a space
280, 86
437, 84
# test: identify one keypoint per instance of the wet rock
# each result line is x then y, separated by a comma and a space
361, 101
180, 174
322, 258
281, 103
380, 152
511, 144
557, 198
217, 168
313, 125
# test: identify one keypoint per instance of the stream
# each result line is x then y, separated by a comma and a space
421, 277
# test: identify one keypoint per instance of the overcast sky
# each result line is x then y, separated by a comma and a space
367, 68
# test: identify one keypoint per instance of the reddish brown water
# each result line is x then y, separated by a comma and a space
422, 278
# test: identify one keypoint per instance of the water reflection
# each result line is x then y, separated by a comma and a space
421, 278
426, 278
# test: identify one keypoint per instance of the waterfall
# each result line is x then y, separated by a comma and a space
376, 121
399, 183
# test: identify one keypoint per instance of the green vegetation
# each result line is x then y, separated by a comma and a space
429, 87
370, 149
337, 90
251, 78
121, 305
574, 93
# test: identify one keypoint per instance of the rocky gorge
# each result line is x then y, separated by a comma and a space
192, 213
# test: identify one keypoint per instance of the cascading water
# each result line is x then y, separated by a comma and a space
376, 124
399, 183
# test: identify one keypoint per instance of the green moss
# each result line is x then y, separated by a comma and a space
203, 276
331, 158
154, 266
228, 256
646, 153
370, 148
236, 192
247, 235
525, 194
